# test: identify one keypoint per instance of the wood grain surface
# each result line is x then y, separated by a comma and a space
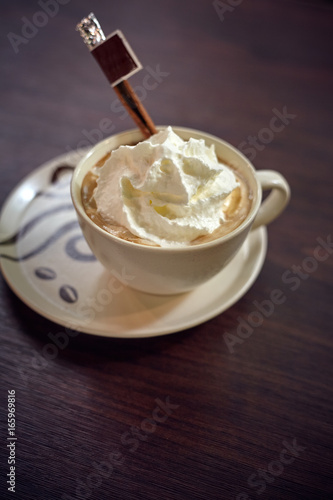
180, 416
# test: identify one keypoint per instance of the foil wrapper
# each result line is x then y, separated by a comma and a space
91, 31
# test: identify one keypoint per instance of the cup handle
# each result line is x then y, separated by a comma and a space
276, 201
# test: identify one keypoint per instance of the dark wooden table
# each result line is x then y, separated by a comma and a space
180, 416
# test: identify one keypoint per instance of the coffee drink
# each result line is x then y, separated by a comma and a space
235, 209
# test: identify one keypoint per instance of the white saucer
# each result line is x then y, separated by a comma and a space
47, 263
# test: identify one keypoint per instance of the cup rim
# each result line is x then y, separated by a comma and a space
78, 205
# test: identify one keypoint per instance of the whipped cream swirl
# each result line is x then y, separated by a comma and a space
164, 189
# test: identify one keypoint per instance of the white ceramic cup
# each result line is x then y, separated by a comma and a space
175, 270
